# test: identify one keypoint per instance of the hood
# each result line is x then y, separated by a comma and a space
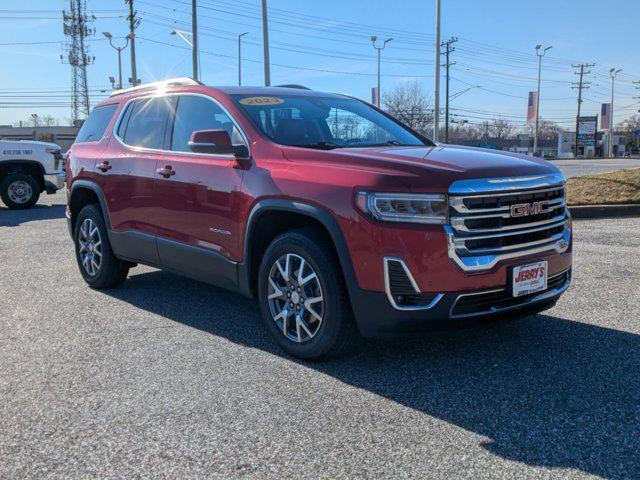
433, 168
29, 143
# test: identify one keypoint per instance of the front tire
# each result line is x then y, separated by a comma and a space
99, 267
19, 191
303, 296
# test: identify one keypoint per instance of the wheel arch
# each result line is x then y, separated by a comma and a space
32, 167
85, 192
298, 215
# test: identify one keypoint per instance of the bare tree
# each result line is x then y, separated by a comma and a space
49, 121
408, 102
500, 129
35, 120
484, 130
628, 127
459, 131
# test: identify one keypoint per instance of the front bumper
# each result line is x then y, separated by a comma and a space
54, 182
377, 318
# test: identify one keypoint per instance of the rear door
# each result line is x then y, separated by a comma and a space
198, 225
127, 173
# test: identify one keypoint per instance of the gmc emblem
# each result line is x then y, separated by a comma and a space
526, 209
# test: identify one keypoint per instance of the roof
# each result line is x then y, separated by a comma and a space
169, 83
257, 90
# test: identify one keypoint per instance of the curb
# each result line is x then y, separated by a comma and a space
605, 211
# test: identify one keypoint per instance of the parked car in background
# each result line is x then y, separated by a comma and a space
27, 169
329, 212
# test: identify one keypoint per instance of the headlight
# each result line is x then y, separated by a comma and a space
404, 207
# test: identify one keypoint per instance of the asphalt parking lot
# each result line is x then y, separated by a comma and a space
579, 167
166, 377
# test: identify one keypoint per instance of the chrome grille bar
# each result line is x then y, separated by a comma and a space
479, 237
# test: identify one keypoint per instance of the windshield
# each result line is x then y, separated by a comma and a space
323, 122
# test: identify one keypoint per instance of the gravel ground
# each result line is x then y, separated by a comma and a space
169, 378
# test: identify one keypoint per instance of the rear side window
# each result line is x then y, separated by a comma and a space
147, 121
94, 127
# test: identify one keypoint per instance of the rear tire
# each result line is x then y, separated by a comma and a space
99, 267
19, 191
303, 296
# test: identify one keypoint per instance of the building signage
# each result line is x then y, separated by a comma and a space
587, 127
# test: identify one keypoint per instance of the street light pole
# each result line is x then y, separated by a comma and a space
240, 57
265, 45
436, 89
374, 39
539, 53
194, 37
613, 72
119, 50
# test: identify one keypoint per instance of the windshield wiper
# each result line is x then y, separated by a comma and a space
320, 145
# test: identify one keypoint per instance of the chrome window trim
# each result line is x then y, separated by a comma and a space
178, 152
387, 287
538, 298
505, 186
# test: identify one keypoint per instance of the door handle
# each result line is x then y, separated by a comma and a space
104, 166
166, 172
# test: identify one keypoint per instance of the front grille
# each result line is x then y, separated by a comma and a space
496, 300
483, 224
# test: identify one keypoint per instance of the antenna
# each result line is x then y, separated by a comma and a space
76, 54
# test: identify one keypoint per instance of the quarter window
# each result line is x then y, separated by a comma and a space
94, 127
199, 113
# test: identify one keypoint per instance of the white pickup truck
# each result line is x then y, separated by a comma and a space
28, 168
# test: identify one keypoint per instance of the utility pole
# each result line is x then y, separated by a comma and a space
240, 57
194, 38
612, 73
265, 44
436, 89
448, 45
119, 50
133, 24
581, 85
539, 53
76, 26
374, 39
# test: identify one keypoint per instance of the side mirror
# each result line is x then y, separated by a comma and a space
211, 141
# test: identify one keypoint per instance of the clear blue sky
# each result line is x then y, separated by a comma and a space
327, 44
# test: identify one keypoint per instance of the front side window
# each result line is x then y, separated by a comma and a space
316, 121
199, 113
147, 122
94, 127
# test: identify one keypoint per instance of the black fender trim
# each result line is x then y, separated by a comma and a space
318, 213
95, 188
129, 246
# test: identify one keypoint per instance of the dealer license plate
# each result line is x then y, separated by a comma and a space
529, 278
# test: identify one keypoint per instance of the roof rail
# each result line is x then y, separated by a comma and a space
170, 82
293, 85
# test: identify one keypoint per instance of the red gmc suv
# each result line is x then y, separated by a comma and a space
333, 215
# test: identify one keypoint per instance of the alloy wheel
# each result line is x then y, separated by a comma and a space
19, 192
295, 298
90, 247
